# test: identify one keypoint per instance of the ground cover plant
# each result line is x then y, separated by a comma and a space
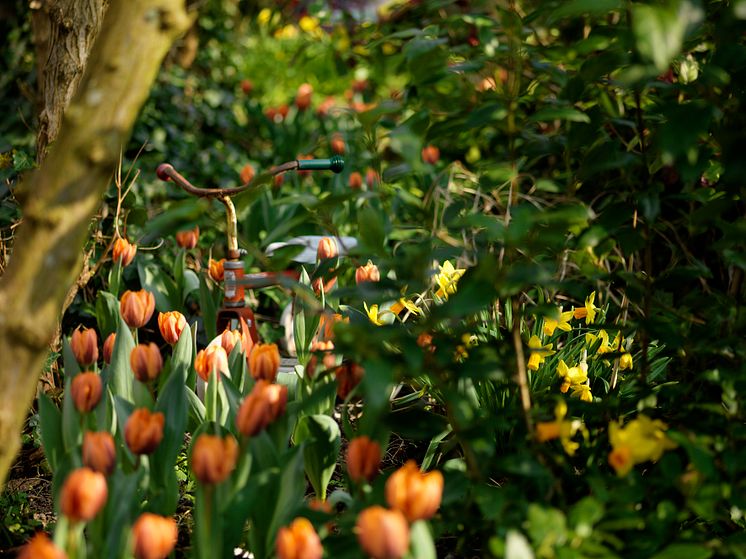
533, 348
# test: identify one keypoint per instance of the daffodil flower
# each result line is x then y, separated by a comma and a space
402, 304
373, 314
571, 376
563, 323
588, 311
625, 361
582, 391
538, 352
560, 429
447, 280
591, 339
642, 439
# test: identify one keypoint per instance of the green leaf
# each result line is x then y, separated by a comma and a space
659, 31
580, 7
107, 313
371, 229
208, 306
50, 419
684, 551
421, 541
559, 113
120, 378
322, 439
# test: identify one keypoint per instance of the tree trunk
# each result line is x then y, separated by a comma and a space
64, 31
63, 194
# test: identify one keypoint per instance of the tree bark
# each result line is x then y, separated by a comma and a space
64, 31
63, 194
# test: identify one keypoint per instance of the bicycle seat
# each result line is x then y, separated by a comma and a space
310, 244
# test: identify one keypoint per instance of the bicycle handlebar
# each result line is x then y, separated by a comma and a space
166, 172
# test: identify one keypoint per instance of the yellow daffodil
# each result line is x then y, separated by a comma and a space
625, 361
402, 304
571, 376
582, 391
447, 279
588, 311
373, 314
538, 352
642, 439
604, 347
560, 429
264, 16
563, 323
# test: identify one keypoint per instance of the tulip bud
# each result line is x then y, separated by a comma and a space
137, 307
416, 494
155, 536
371, 178
228, 340
144, 430
425, 341
382, 533
348, 376
215, 268
299, 541
326, 325
41, 547
430, 154
99, 451
264, 362
363, 459
278, 180
369, 272
325, 106
123, 251
84, 343
214, 458
171, 324
188, 239
247, 86
264, 405
328, 359
83, 495
109, 347
337, 144
85, 391
282, 111
355, 181
327, 249
318, 284
303, 96
247, 173
146, 362
212, 358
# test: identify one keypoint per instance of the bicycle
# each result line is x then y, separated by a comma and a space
235, 280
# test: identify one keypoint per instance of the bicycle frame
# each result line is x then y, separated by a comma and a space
235, 281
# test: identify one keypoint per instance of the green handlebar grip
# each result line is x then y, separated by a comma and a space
335, 164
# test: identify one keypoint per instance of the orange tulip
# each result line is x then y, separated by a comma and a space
264, 362
282, 111
430, 154
303, 96
99, 451
298, 541
327, 322
212, 358
228, 340
123, 251
214, 458
363, 459
247, 86
41, 547
326, 106
144, 430
247, 173
171, 324
83, 495
277, 180
327, 285
265, 404
416, 494
215, 268
328, 359
369, 272
337, 144
137, 307
355, 181
84, 343
188, 239
146, 362
109, 347
382, 533
85, 391
327, 249
371, 178
348, 376
155, 536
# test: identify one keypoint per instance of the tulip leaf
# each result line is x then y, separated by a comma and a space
70, 416
118, 511
208, 306
305, 320
107, 313
421, 541
291, 485
50, 418
120, 378
321, 441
